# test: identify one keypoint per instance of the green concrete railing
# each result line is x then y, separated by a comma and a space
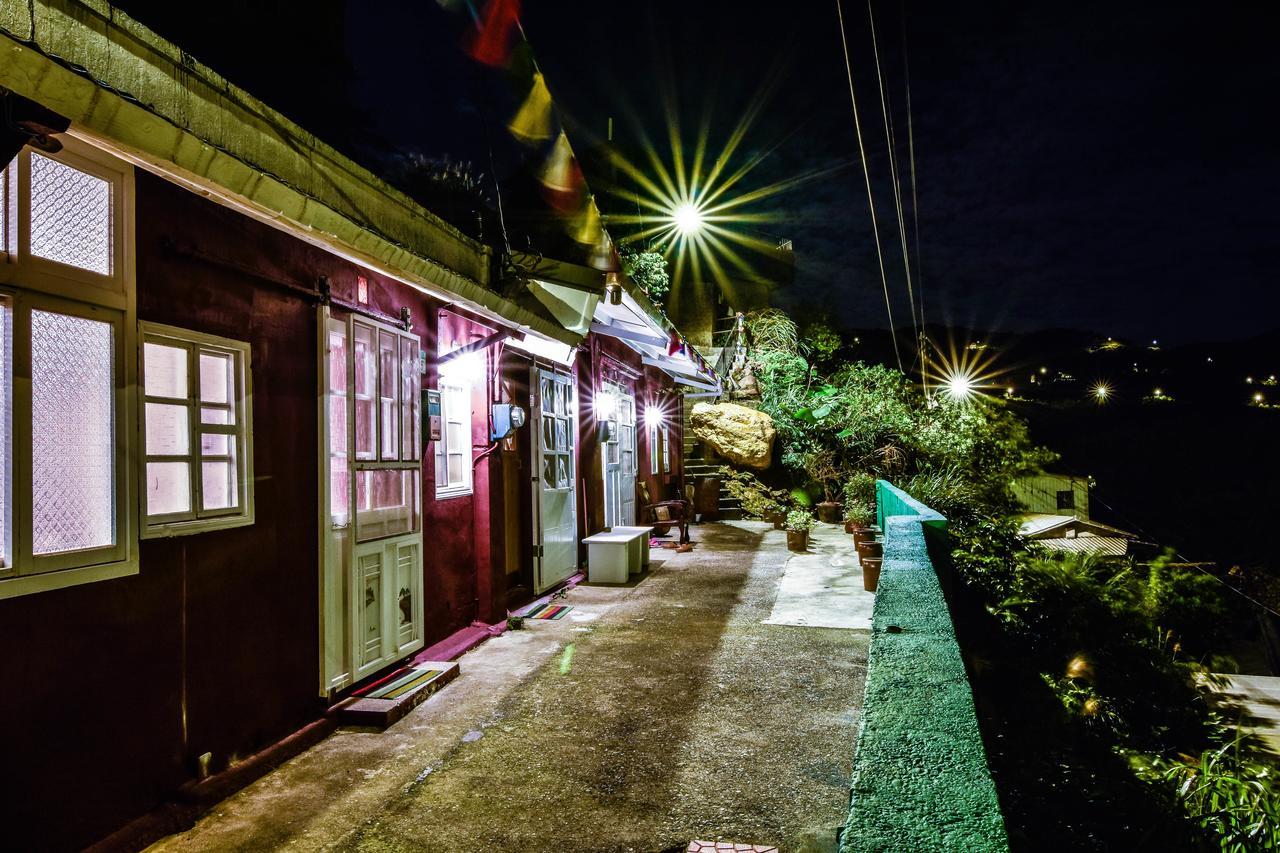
920, 777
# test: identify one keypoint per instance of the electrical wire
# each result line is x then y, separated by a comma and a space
866, 174
915, 201
893, 175
1127, 520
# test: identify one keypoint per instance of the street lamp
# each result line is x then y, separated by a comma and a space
959, 386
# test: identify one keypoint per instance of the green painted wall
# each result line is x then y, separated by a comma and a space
920, 777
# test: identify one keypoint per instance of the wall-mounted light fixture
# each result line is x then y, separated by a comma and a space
465, 369
612, 288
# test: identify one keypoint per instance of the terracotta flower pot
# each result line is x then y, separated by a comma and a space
829, 512
862, 534
798, 540
870, 549
871, 573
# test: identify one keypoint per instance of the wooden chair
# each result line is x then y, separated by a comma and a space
666, 515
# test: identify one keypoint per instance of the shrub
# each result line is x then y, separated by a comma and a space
757, 499
1228, 793
799, 519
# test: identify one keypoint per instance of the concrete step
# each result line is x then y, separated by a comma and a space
404, 689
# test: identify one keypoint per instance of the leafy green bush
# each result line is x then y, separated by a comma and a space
649, 270
1227, 792
799, 519
757, 499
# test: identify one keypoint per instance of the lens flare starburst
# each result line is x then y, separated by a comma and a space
699, 204
961, 374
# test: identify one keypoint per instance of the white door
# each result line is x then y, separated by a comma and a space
555, 528
619, 456
370, 492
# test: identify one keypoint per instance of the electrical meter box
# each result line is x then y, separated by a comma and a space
431, 424
507, 418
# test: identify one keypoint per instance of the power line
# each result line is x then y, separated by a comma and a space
1184, 559
866, 174
915, 201
893, 175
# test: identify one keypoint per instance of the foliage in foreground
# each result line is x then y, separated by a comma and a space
1118, 645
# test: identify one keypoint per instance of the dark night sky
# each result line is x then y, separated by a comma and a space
1105, 166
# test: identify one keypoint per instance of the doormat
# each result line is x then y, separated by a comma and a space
547, 611
404, 680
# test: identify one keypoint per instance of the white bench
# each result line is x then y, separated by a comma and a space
643, 562
614, 555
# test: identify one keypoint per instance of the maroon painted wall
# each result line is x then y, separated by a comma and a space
599, 355
222, 625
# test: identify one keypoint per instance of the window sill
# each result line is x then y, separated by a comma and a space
446, 494
48, 581
188, 528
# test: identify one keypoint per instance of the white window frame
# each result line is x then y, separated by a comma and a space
32, 283
666, 448
197, 519
455, 406
405, 410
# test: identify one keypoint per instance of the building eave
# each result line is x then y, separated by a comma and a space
126, 88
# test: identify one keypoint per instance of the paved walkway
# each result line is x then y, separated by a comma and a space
649, 716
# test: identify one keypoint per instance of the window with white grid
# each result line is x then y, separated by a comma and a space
196, 432
453, 450
67, 426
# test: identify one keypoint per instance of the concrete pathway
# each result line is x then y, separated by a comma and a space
659, 713
823, 587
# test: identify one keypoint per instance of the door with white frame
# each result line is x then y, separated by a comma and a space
555, 527
617, 409
370, 487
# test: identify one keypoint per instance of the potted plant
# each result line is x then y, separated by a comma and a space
799, 523
824, 468
871, 573
776, 513
858, 518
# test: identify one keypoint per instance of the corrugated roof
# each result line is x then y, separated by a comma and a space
1036, 524
1103, 546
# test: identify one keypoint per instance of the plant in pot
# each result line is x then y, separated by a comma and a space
858, 519
823, 466
799, 523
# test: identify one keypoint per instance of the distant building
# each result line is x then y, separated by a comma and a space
1067, 533
1054, 494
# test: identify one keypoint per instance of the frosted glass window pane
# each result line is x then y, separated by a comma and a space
215, 378
455, 469
442, 473
70, 216
166, 371
216, 416
366, 412
388, 392
218, 481
338, 361
167, 430
215, 444
338, 493
168, 487
72, 433
6, 434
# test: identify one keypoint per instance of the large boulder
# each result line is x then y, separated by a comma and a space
740, 434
